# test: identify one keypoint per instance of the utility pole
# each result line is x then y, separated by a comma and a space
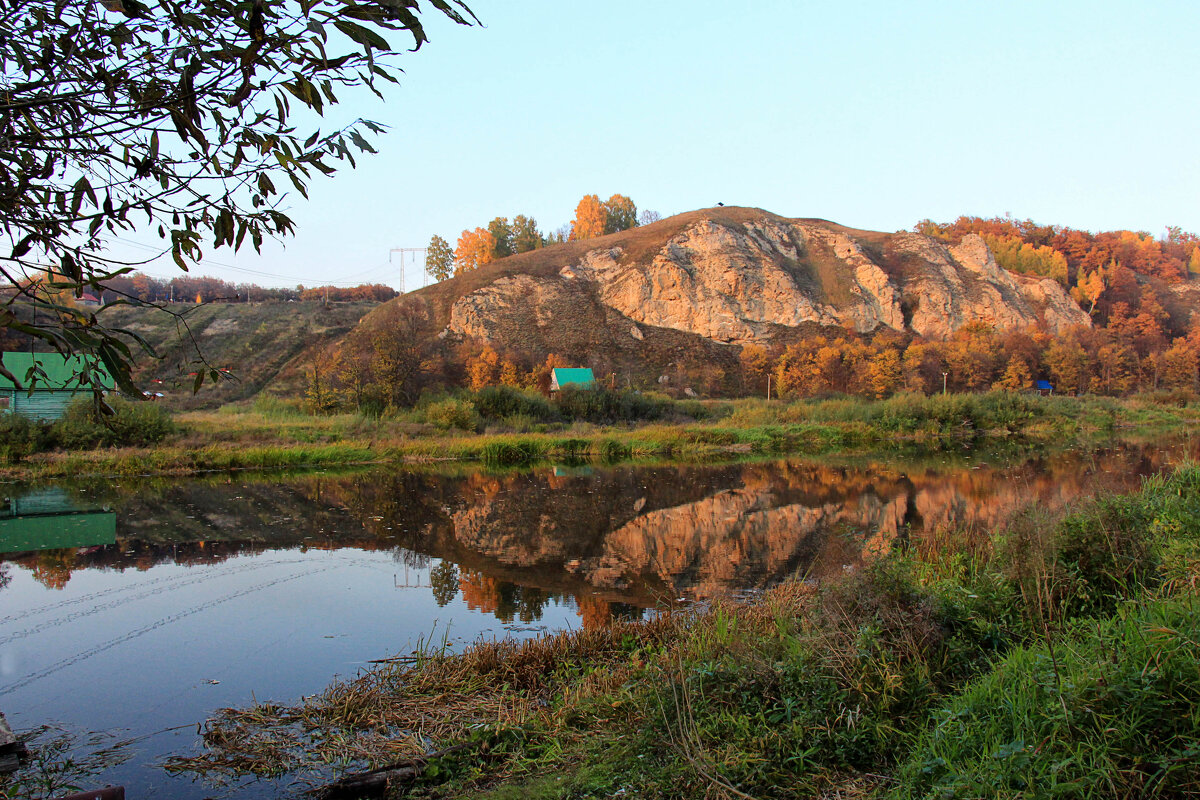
768, 387
944, 374
403, 251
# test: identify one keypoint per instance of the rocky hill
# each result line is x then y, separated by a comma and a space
683, 292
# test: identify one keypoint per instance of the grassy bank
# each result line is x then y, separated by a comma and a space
1055, 658
274, 434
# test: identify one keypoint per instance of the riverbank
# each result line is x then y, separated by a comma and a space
1059, 655
274, 435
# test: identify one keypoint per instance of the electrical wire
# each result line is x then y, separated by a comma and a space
246, 270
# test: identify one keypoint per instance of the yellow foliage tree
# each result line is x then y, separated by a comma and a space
475, 248
1017, 376
1179, 366
591, 218
883, 373
483, 369
510, 375
1089, 289
756, 365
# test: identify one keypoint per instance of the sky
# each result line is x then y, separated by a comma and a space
871, 114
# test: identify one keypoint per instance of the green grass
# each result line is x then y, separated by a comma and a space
1112, 711
276, 433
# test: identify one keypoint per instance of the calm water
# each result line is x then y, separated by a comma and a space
156, 602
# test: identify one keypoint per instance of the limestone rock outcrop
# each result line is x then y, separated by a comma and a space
737, 278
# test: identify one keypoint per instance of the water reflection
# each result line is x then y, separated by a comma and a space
604, 540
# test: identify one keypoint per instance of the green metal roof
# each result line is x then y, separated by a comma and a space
61, 371
574, 375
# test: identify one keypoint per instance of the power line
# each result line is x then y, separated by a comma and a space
260, 273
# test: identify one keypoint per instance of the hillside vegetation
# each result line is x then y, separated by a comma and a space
255, 344
719, 302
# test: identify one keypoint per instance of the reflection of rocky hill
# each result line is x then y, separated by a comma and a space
627, 534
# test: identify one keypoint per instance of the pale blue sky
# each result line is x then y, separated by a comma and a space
871, 114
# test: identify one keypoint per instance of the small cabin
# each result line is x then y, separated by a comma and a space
580, 378
1044, 387
52, 392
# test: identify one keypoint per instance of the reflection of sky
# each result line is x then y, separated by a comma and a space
143, 651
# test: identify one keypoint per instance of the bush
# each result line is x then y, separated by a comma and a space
21, 436
131, 424
498, 402
602, 406
452, 412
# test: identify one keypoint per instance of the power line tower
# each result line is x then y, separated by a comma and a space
406, 252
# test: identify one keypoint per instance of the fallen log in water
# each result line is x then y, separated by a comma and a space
375, 782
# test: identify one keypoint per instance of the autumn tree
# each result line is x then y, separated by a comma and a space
1179, 367
1115, 369
591, 218
620, 214
525, 234
439, 258
1067, 362
483, 369
1089, 289
1014, 255
973, 357
399, 342
187, 120
922, 367
648, 217
756, 366
475, 248
1016, 376
883, 376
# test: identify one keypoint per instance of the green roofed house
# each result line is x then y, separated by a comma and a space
581, 378
53, 390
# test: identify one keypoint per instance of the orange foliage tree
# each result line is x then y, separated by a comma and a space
475, 248
591, 217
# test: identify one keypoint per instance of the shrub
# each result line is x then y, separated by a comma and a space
21, 436
452, 412
498, 402
604, 406
131, 424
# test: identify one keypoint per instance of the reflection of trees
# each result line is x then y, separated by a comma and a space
410, 559
444, 580
503, 599
52, 568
